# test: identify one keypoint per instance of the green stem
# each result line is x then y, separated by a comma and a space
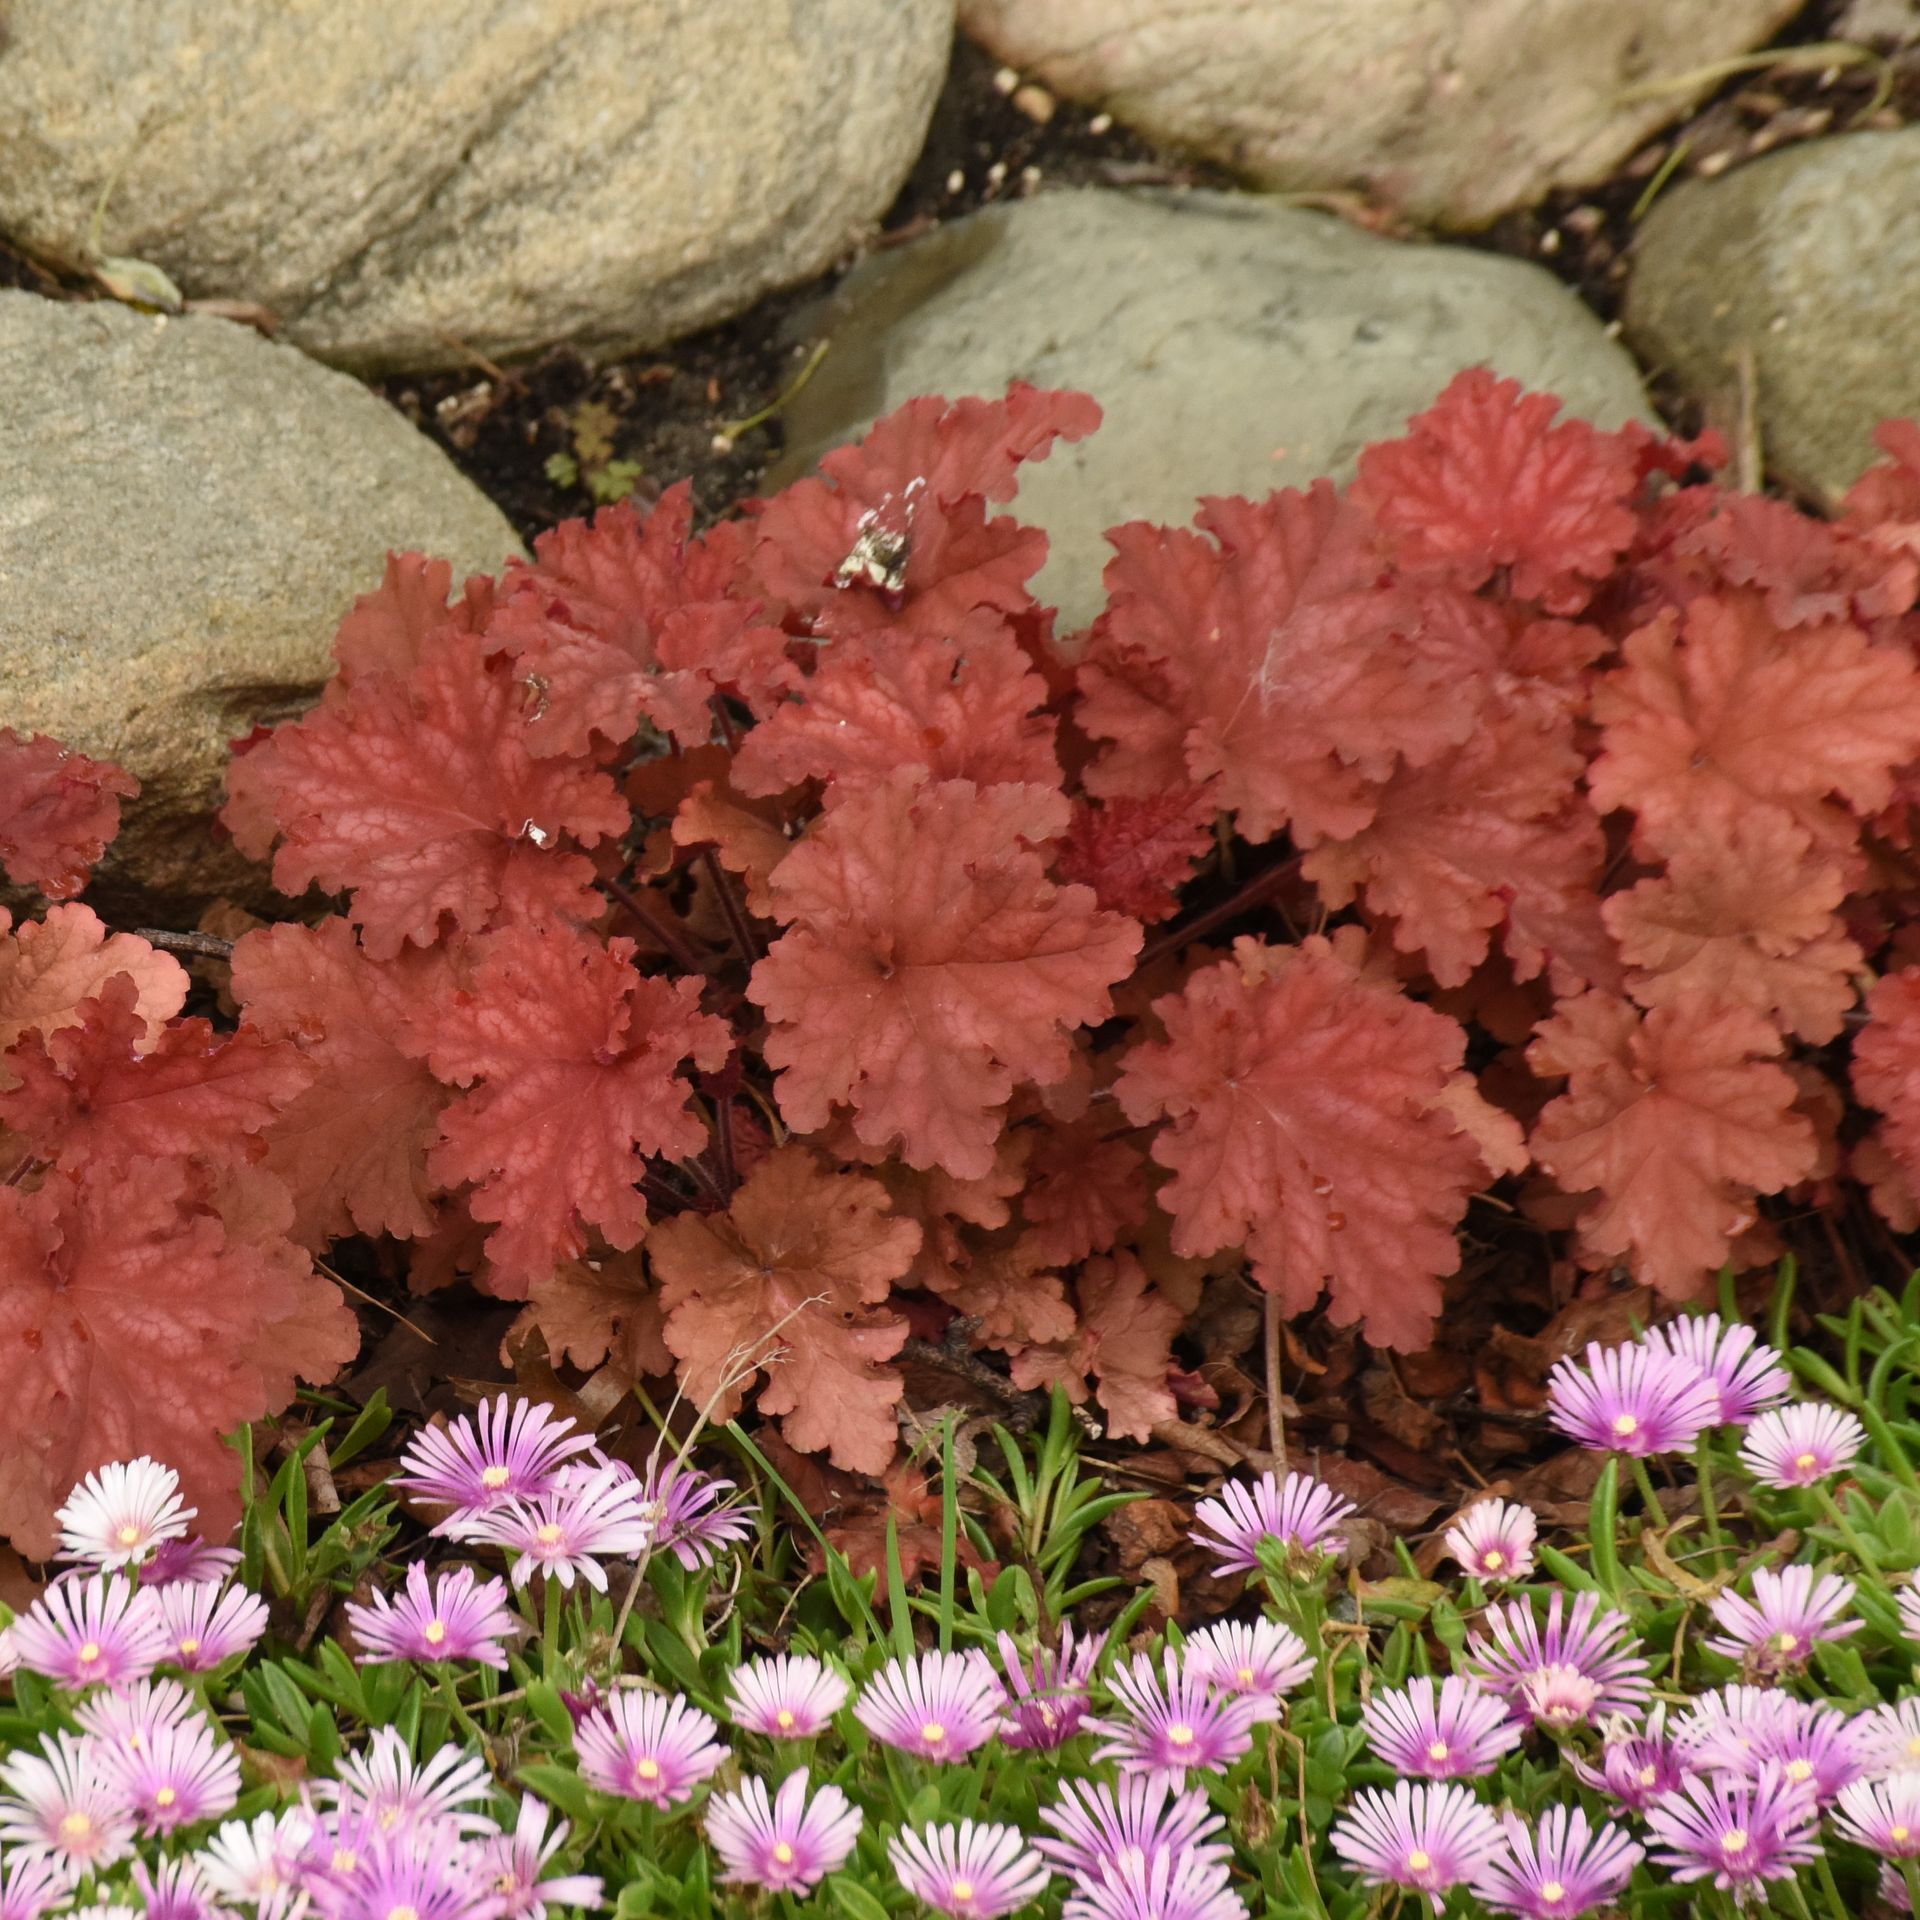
1644, 1481
462, 1718
1859, 1548
550, 1631
1830, 1889
1709, 1503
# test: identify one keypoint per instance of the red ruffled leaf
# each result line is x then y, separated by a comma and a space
388, 630
1124, 1341
1137, 850
48, 967
1886, 1075
58, 811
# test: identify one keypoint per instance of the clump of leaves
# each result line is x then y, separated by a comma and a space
592, 464
784, 924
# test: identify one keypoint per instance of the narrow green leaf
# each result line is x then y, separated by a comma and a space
901, 1619
949, 1532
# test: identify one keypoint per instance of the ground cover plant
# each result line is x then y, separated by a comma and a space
552, 1683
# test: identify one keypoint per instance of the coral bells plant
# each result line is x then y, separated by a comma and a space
754, 947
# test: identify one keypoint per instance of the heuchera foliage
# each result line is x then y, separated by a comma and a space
756, 948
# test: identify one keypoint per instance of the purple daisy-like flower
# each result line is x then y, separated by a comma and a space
1747, 1375
940, 1706
1737, 1830
406, 1875
183, 1775
207, 1622
120, 1512
1175, 1722
1049, 1692
446, 1790
786, 1844
1258, 1657
789, 1696
1158, 1886
647, 1746
684, 1507
66, 1802
1583, 1663
1890, 1736
1882, 1815
1566, 1868
32, 1884
1802, 1445
1493, 1540
258, 1862
1637, 1400
1429, 1836
1451, 1729
1739, 1729
131, 1719
973, 1871
1636, 1767
457, 1617
96, 1630
514, 1865
172, 1890
591, 1513
1298, 1512
1143, 1817
506, 1450
1791, 1611
192, 1559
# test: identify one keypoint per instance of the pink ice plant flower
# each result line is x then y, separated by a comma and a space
1583, 1663
1451, 1729
1637, 1400
787, 1696
1493, 1540
974, 1870
1158, 1886
688, 1520
1747, 1375
1740, 1729
207, 1622
191, 1559
1909, 1605
120, 1512
1738, 1831
507, 1450
185, 1774
787, 1843
588, 1515
257, 1862
457, 1616
1567, 1867
1049, 1691
448, 1789
1429, 1836
1891, 1736
1140, 1817
66, 1802
514, 1865
130, 1719
1791, 1611
940, 1706
1637, 1765
1882, 1815
171, 1890
1300, 1514
1175, 1722
1799, 1446
652, 1747
33, 1884
1258, 1657
97, 1629
405, 1875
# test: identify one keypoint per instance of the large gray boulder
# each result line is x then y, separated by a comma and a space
406, 185
186, 511
1456, 110
1804, 265
1236, 346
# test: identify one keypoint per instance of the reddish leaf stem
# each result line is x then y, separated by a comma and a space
737, 921
206, 946
1255, 890
664, 935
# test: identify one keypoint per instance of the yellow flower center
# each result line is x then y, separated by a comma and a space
1804, 1460
1553, 1893
434, 1632
1625, 1425
75, 1827
784, 1719
1735, 1841
1419, 1860
90, 1653
494, 1478
1913, 1749
1896, 1834
783, 1853
932, 1732
1786, 1642
1799, 1769
1437, 1751
1245, 1676
962, 1890
345, 1860
549, 1535
647, 1769
403, 1913
129, 1535
1493, 1559
190, 1643
165, 1797
1648, 1775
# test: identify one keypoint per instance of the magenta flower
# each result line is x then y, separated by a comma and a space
1882, 1815
647, 1746
448, 1789
1428, 1837
1890, 1736
33, 1884
1790, 1612
790, 1696
1158, 1886
1567, 1868
96, 1629
171, 1890
590, 1513
130, 1720
1260, 1657
684, 1508
513, 1865
940, 1706
1585, 1662
1048, 1693
1636, 1768
458, 1617
257, 1862
120, 1512
1493, 1540
973, 1871
1800, 1446
1746, 1374
1740, 1729
1451, 1729
1143, 1817
508, 1450
404, 1875
65, 1802
1297, 1512
1738, 1831
207, 1622
1177, 1722
193, 1559
788, 1844
184, 1774
1909, 1604
1635, 1400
